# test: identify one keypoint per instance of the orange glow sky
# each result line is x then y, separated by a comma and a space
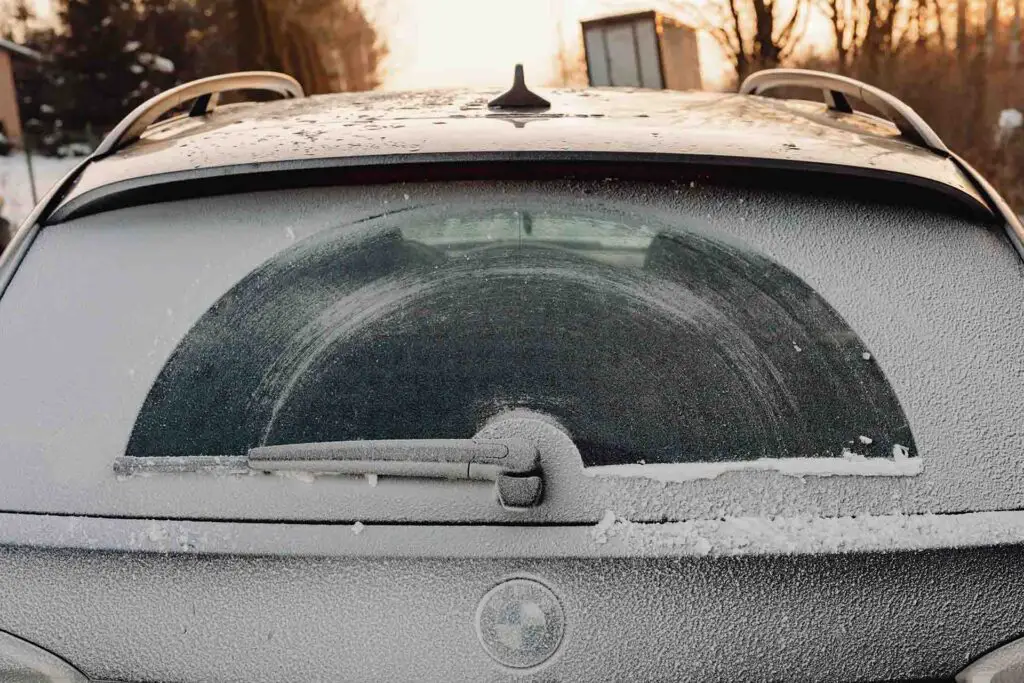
438, 43
477, 42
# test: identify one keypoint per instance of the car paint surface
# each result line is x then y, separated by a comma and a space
367, 129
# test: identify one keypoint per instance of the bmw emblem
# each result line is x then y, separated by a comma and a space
520, 623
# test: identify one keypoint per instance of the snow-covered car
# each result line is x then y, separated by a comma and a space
577, 385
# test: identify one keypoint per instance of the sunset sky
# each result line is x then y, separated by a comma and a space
476, 42
437, 43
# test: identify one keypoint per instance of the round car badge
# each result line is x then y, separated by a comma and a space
520, 623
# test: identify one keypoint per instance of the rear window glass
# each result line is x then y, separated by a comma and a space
649, 342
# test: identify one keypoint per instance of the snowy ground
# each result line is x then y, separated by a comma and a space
14, 185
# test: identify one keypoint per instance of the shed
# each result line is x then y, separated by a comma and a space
642, 49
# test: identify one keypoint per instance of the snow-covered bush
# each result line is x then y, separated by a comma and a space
1009, 121
74, 149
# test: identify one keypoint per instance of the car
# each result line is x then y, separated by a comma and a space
598, 384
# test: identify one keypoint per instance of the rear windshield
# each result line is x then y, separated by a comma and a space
648, 342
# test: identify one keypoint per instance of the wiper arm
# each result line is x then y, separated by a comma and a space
513, 464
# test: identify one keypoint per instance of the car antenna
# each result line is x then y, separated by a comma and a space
519, 96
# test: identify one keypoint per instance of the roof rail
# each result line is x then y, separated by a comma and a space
204, 91
837, 88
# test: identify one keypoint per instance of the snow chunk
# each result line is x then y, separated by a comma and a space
1010, 118
186, 542
297, 475
847, 454
686, 536
850, 464
163, 65
733, 536
1009, 121
74, 149
156, 62
866, 355
357, 528
866, 440
600, 531
371, 479
157, 532
132, 46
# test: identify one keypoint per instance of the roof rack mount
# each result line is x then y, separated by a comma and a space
204, 91
836, 89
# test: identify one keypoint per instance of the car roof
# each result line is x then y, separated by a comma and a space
393, 128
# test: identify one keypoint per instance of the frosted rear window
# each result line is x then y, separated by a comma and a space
648, 343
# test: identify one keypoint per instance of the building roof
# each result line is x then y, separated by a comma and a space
609, 20
388, 128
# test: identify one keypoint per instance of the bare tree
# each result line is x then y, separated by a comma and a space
754, 34
570, 64
880, 38
16, 16
328, 45
961, 30
847, 21
1015, 36
940, 22
991, 8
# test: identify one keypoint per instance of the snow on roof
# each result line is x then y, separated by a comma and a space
349, 126
20, 50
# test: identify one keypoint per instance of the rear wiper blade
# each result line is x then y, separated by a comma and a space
513, 464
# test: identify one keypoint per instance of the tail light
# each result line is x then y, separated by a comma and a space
23, 662
1005, 665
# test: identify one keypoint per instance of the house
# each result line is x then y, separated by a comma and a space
9, 118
